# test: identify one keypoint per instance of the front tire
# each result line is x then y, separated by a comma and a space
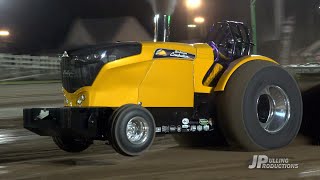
132, 130
261, 107
70, 144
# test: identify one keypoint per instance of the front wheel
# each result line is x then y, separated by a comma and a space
70, 144
132, 130
261, 107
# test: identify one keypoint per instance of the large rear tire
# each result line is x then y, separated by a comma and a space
261, 107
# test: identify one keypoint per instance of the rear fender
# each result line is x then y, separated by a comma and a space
234, 66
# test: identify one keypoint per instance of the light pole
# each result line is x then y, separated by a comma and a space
254, 25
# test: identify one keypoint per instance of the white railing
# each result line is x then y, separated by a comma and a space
29, 62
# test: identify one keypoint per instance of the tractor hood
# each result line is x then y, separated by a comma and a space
80, 67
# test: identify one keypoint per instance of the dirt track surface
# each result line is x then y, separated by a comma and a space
14, 98
27, 156
24, 155
30, 94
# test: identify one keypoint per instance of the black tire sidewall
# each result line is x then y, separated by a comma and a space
110, 125
237, 111
275, 76
70, 144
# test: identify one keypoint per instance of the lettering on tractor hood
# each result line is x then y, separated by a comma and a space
169, 53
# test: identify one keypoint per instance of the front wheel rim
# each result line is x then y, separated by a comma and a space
273, 109
137, 130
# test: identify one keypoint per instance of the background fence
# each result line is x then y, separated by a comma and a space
26, 67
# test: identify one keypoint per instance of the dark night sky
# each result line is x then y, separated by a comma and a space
42, 24
38, 25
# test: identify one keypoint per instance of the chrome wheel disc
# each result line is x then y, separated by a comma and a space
273, 109
137, 130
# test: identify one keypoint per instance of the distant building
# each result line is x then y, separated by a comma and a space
94, 31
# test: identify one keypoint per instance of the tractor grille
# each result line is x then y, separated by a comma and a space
83, 65
76, 75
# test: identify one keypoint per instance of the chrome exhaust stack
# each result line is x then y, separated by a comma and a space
163, 10
161, 28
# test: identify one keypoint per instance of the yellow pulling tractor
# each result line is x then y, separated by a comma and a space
125, 93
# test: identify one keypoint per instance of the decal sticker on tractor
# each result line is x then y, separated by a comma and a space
161, 52
193, 128
199, 128
173, 128
203, 122
206, 128
185, 121
178, 128
165, 129
168, 53
185, 126
43, 114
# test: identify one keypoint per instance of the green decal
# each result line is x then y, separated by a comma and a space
203, 122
